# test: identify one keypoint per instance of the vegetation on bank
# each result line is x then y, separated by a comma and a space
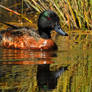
74, 14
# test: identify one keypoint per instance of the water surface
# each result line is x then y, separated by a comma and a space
66, 70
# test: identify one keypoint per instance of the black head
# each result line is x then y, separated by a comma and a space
48, 20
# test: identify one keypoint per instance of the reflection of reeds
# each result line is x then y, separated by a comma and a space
78, 77
18, 78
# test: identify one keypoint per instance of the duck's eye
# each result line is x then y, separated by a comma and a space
49, 18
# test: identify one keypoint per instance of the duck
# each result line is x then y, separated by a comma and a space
47, 79
17, 37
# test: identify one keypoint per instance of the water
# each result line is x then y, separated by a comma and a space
66, 70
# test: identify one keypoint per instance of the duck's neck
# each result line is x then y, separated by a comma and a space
45, 33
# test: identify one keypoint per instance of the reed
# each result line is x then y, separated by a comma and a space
75, 14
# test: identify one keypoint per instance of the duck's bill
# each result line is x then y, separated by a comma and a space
60, 31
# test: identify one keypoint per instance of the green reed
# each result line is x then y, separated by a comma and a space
73, 13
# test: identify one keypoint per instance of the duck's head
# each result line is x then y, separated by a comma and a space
48, 21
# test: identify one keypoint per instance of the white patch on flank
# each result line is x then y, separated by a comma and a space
44, 62
44, 44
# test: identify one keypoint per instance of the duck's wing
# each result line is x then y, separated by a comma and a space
15, 31
12, 30
21, 37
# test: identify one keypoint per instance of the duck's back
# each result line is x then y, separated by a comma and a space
24, 38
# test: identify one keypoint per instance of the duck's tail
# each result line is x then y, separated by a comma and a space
12, 26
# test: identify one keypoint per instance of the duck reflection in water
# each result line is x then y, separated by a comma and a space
47, 79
